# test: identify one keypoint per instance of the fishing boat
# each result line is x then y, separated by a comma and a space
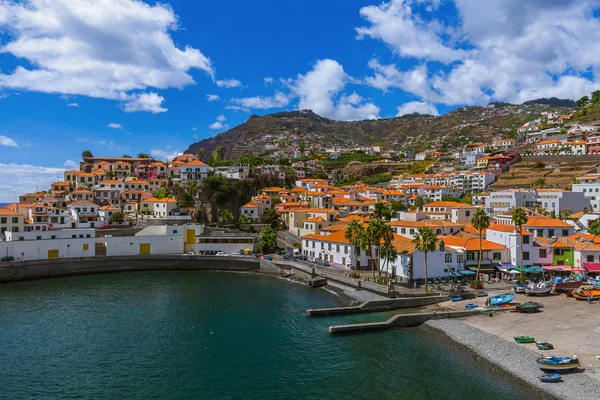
540, 289
519, 288
544, 346
533, 303
527, 308
469, 296
456, 298
550, 378
582, 293
502, 299
471, 306
566, 285
482, 294
524, 339
553, 363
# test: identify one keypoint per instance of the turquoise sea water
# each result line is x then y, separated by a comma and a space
191, 335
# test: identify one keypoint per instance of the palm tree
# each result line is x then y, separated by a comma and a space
225, 216
480, 221
200, 154
388, 251
519, 218
86, 154
354, 234
372, 241
425, 240
539, 182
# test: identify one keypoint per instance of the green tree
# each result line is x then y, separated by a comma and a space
86, 154
116, 218
200, 153
219, 188
353, 235
397, 206
371, 242
271, 218
185, 200
595, 96
419, 202
426, 241
539, 183
480, 221
379, 209
111, 175
143, 155
225, 216
519, 218
160, 193
244, 220
218, 154
125, 156
268, 240
594, 227
582, 102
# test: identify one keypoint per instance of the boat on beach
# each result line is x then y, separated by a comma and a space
519, 288
544, 346
540, 289
527, 308
502, 299
456, 298
582, 293
524, 339
566, 285
482, 294
550, 378
471, 306
553, 363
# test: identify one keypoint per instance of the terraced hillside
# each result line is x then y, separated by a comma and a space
556, 172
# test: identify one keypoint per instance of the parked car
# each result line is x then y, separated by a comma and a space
287, 257
312, 259
221, 254
324, 263
189, 253
300, 257
237, 255
107, 226
269, 257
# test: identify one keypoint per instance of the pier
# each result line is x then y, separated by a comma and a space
379, 305
400, 321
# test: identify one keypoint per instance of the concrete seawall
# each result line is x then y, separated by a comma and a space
378, 305
400, 321
38, 269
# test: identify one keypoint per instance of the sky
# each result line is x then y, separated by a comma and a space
127, 76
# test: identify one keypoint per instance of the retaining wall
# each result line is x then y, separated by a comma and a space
37, 269
379, 305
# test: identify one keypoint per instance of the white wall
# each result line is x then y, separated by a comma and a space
38, 249
436, 264
130, 245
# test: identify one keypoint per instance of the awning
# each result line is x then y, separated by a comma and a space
467, 272
483, 269
514, 272
578, 270
592, 267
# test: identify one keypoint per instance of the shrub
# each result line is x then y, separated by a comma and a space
476, 284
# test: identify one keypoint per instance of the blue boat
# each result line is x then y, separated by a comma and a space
471, 306
456, 298
519, 288
550, 378
502, 299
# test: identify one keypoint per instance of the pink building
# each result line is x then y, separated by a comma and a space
146, 172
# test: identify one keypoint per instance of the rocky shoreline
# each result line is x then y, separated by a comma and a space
516, 360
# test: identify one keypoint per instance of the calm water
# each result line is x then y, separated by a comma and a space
213, 336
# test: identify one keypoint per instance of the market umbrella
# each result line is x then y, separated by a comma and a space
515, 272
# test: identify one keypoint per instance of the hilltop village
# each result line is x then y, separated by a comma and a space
297, 204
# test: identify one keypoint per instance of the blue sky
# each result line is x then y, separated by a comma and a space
124, 76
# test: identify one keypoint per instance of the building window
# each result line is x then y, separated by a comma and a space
590, 258
403, 230
543, 253
3, 220
550, 232
525, 256
496, 256
15, 220
448, 258
565, 232
526, 239
470, 256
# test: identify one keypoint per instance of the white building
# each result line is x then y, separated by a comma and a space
194, 171
556, 200
165, 239
505, 200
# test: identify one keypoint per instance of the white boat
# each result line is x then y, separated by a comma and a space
540, 289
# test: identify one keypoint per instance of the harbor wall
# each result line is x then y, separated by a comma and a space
379, 305
38, 269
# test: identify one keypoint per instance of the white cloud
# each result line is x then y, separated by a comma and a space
278, 100
268, 80
145, 102
165, 154
72, 105
221, 118
194, 128
319, 88
194, 136
4, 96
6, 141
417, 107
228, 83
213, 97
70, 164
114, 126
508, 50
72, 47
25, 178
218, 125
